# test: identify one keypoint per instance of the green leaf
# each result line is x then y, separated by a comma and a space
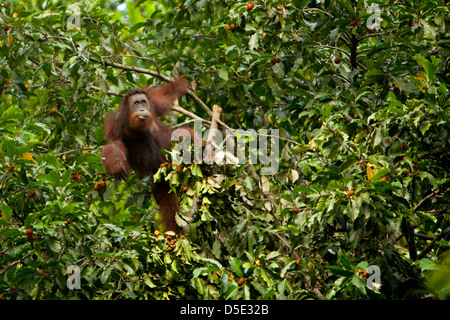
300, 4
282, 287
52, 161
231, 292
10, 147
372, 76
187, 249
205, 270
103, 255
350, 162
32, 217
340, 272
300, 189
254, 41
424, 126
380, 173
223, 74
347, 5
286, 268
236, 266
148, 281
137, 26
106, 273
359, 283
344, 261
321, 203
362, 265
300, 148
217, 264
6, 212
272, 255
429, 68
65, 179
375, 74
425, 264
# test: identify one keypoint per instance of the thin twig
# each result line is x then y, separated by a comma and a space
322, 46
212, 132
431, 245
435, 192
375, 35
319, 10
413, 226
154, 74
7, 267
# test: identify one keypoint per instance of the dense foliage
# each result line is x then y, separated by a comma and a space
358, 93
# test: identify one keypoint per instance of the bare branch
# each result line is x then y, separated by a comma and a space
333, 48
154, 74
212, 131
431, 245
431, 195
319, 10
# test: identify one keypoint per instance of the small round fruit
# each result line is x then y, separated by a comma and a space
230, 27
362, 273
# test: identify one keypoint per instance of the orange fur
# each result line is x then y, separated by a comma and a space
135, 140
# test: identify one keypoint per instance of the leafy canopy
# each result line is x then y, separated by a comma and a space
357, 91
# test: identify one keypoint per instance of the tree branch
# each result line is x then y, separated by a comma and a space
375, 35
434, 193
212, 132
154, 74
321, 46
7, 267
433, 242
319, 10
